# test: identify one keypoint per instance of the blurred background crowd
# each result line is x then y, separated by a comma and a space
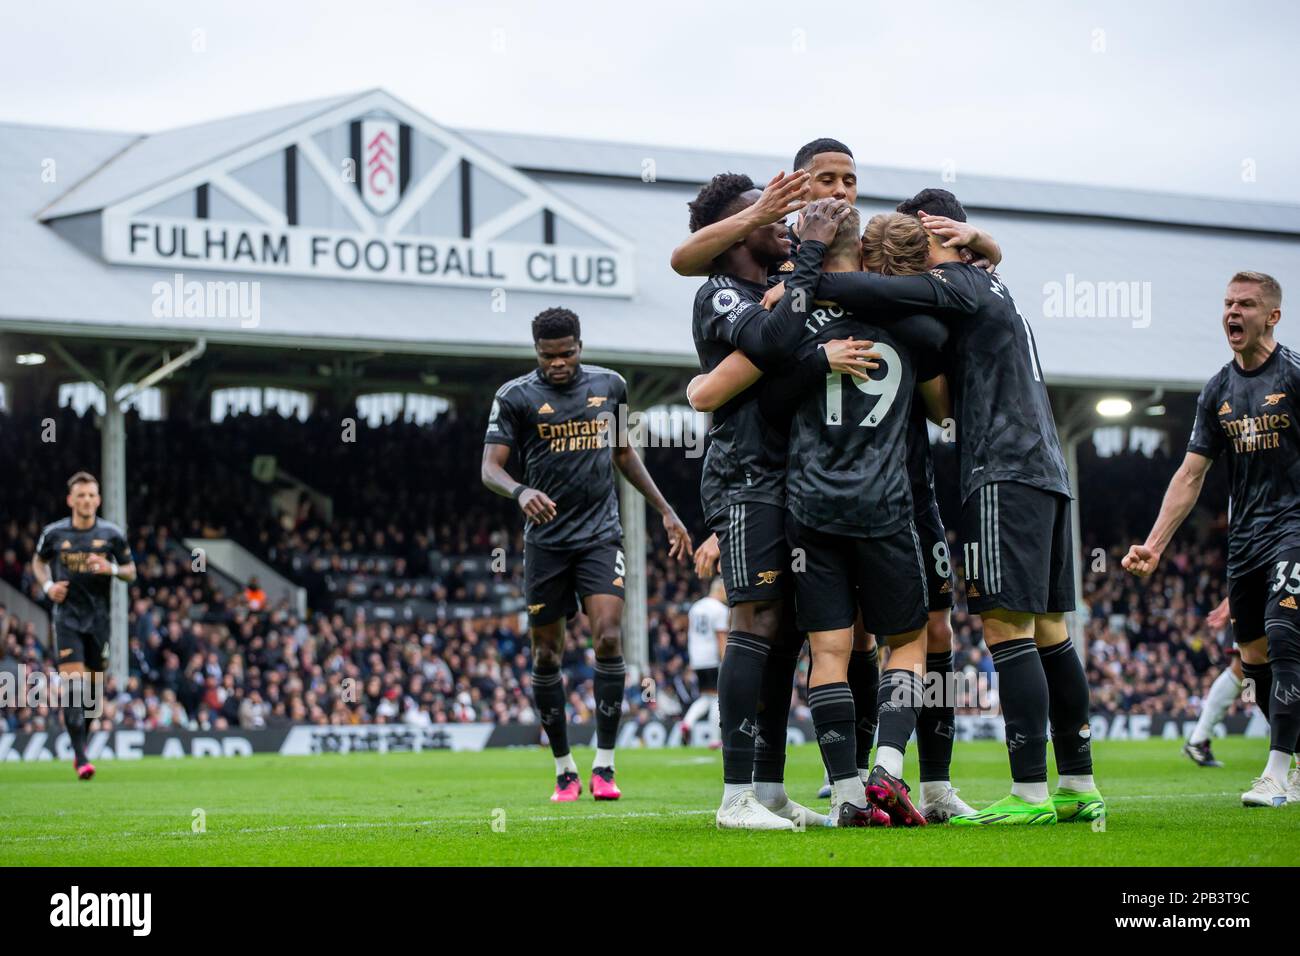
408, 622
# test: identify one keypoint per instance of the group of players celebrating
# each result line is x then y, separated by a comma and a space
823, 354
821, 502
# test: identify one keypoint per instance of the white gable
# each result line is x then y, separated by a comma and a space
364, 189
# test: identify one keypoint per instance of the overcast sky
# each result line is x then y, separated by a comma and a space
1179, 96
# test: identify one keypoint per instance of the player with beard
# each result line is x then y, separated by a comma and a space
1015, 521
75, 562
742, 488
1244, 414
561, 418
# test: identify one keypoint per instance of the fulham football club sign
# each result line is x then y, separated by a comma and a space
369, 190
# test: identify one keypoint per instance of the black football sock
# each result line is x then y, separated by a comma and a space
1284, 695
1067, 694
864, 678
832, 714
740, 680
548, 695
1261, 678
774, 712
899, 704
607, 688
936, 726
74, 719
1022, 689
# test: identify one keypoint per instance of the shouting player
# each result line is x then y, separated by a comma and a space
562, 418
1245, 412
76, 560
1015, 521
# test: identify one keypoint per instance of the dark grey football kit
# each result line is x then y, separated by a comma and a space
1015, 520
1249, 416
81, 622
562, 434
742, 489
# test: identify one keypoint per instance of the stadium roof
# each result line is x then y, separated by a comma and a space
1122, 287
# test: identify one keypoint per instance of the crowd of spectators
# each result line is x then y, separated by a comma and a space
207, 654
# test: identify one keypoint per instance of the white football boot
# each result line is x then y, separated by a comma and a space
1265, 792
746, 813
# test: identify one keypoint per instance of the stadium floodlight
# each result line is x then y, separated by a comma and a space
1155, 410
1114, 407
30, 358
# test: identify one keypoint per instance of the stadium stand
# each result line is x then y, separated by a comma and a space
408, 620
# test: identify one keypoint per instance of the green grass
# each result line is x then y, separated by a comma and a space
439, 809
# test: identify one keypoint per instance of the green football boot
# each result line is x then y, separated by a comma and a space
1009, 811
1078, 806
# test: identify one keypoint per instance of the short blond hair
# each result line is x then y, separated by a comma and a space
895, 244
846, 236
1270, 288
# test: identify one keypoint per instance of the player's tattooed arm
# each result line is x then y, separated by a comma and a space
634, 470
1180, 497
986, 253
535, 505
782, 196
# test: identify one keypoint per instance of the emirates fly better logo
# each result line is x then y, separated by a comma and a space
381, 175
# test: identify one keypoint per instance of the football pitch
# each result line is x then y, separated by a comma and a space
491, 808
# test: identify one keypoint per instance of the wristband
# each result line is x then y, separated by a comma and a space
113, 569
46, 587
519, 490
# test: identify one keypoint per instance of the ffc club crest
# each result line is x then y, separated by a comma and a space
380, 174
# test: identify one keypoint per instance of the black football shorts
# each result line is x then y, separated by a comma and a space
555, 578
1017, 549
1266, 596
934, 549
836, 576
755, 559
87, 648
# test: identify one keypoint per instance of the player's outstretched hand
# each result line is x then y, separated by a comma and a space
773, 295
821, 219
781, 196
58, 592
1140, 560
852, 356
537, 506
706, 557
679, 539
1219, 617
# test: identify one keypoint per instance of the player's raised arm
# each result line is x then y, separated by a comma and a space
782, 196
769, 336
955, 233
1180, 497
